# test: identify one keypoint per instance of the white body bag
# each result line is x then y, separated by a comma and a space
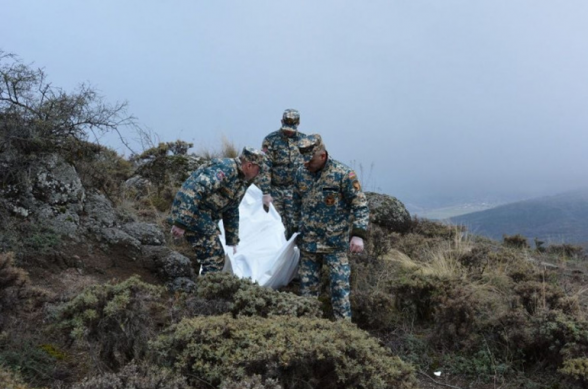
263, 254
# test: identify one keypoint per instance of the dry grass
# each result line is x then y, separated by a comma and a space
228, 149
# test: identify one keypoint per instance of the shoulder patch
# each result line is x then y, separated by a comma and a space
352, 175
220, 175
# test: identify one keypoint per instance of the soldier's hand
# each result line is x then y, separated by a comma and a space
234, 249
177, 232
356, 245
267, 199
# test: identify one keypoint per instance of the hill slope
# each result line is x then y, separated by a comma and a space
561, 218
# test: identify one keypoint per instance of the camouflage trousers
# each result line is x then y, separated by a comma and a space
339, 272
283, 203
209, 251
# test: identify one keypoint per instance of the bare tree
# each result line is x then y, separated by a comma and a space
36, 116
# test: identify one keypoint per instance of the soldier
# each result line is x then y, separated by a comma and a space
326, 195
283, 159
212, 192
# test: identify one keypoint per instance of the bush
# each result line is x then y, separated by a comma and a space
23, 353
248, 299
537, 296
255, 382
116, 320
416, 295
324, 354
372, 298
10, 381
12, 282
516, 241
136, 377
433, 229
577, 369
99, 167
566, 250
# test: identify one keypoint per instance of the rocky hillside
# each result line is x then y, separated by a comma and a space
95, 295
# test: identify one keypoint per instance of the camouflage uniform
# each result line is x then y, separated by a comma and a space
211, 193
283, 159
324, 203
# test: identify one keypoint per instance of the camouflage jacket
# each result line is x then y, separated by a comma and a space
325, 202
212, 192
283, 159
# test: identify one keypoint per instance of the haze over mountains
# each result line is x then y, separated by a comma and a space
562, 218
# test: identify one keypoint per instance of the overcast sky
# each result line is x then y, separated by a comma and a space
433, 98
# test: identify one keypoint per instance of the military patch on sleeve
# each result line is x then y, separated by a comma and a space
352, 176
356, 185
220, 175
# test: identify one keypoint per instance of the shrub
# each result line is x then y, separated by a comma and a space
136, 377
116, 320
577, 369
433, 229
15, 289
372, 298
249, 299
326, 354
12, 281
515, 241
379, 242
255, 382
21, 352
416, 294
557, 337
536, 296
566, 250
10, 381
99, 167
166, 164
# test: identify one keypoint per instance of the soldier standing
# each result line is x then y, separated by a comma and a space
326, 194
211, 193
283, 158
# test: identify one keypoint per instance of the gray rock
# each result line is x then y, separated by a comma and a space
388, 212
153, 255
140, 185
181, 284
175, 265
51, 194
116, 240
99, 210
146, 233
56, 182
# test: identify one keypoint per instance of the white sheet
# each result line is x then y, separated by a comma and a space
263, 254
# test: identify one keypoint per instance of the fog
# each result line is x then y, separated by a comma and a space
431, 101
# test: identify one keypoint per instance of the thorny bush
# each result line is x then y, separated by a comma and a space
298, 352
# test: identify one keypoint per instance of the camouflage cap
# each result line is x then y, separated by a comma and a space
254, 156
290, 119
309, 144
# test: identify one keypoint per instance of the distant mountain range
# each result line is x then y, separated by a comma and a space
556, 219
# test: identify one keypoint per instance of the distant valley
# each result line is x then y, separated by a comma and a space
555, 219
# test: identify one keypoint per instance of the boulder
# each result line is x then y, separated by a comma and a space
175, 265
147, 233
388, 212
99, 211
51, 194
